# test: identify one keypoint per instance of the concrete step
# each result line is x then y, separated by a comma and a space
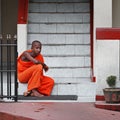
68, 61
69, 72
58, 28
84, 91
61, 39
65, 50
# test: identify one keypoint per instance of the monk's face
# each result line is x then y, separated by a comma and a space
36, 48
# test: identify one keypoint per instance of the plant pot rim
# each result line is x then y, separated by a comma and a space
112, 89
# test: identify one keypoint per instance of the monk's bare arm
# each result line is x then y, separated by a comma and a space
27, 57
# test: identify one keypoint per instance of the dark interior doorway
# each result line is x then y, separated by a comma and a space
8, 13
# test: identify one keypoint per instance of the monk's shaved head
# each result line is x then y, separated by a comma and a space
35, 42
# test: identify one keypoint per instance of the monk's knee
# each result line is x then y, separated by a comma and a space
39, 67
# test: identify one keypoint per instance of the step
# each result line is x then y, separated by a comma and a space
100, 103
107, 106
85, 91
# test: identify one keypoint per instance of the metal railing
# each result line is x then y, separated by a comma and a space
8, 67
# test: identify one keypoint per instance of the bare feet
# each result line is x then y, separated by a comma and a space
27, 93
36, 93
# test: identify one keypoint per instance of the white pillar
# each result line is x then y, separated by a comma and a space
22, 37
102, 13
106, 52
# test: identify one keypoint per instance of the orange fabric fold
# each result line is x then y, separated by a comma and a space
31, 73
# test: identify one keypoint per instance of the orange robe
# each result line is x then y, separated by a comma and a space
31, 73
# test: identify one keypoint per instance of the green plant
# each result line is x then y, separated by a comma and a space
111, 80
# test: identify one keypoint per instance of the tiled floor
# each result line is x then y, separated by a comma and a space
55, 111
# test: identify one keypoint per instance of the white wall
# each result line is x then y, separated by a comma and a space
105, 51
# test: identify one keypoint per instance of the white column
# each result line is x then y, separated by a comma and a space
22, 37
102, 13
106, 52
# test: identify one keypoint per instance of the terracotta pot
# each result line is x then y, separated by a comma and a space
112, 95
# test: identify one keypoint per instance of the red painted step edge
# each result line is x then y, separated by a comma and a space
100, 103
107, 106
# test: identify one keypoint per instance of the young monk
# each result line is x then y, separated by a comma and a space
30, 70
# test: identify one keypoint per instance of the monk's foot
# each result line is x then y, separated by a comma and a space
27, 93
36, 93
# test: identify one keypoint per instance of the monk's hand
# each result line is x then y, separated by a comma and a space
37, 62
45, 67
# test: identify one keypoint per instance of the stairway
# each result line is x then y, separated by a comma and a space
63, 27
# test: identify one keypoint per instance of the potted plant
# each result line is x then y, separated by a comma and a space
111, 81
111, 94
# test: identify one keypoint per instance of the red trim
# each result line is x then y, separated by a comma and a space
100, 98
22, 11
93, 79
91, 36
108, 33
